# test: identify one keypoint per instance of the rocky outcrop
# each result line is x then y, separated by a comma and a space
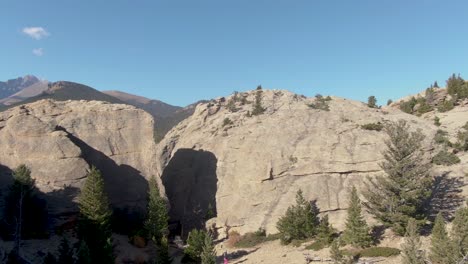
257, 163
59, 141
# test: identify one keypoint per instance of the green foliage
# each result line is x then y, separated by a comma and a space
389, 102
250, 240
156, 223
65, 252
163, 256
445, 158
403, 193
408, 107
411, 248
210, 213
195, 242
435, 85
372, 102
300, 221
430, 95
462, 143
373, 126
325, 232
318, 245
457, 87
84, 255
258, 108
208, 255
441, 137
320, 103
459, 233
379, 252
440, 251
446, 106
437, 121
423, 106
227, 122
24, 212
357, 230
336, 253
95, 214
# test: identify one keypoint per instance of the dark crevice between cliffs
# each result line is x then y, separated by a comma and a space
191, 184
125, 186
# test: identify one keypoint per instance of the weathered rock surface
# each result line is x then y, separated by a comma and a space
253, 166
59, 141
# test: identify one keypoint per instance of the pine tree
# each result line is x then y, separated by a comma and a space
195, 242
24, 214
95, 216
300, 221
325, 231
357, 231
403, 193
459, 234
436, 85
83, 253
49, 259
411, 248
336, 253
258, 108
372, 102
389, 102
156, 224
164, 257
65, 252
208, 255
440, 242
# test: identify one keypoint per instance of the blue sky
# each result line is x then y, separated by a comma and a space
182, 51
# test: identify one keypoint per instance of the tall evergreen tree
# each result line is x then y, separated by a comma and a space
208, 255
372, 102
83, 253
357, 230
65, 252
195, 242
440, 243
459, 234
95, 216
403, 193
164, 257
300, 221
411, 248
325, 231
24, 215
335, 252
156, 224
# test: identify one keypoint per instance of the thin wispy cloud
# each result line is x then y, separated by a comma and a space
36, 32
38, 52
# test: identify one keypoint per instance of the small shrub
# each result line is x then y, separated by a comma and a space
292, 159
379, 252
261, 232
441, 137
372, 102
437, 121
227, 122
233, 238
231, 105
408, 107
389, 102
318, 245
462, 143
373, 126
320, 103
253, 239
446, 106
445, 158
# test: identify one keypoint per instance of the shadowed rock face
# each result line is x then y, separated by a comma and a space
60, 141
261, 161
191, 184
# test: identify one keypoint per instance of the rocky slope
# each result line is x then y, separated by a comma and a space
249, 168
59, 141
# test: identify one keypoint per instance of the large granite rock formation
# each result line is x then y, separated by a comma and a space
249, 168
59, 141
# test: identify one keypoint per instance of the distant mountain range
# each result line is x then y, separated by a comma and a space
29, 89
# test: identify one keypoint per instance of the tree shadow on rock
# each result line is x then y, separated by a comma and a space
446, 195
125, 186
235, 255
191, 184
377, 233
